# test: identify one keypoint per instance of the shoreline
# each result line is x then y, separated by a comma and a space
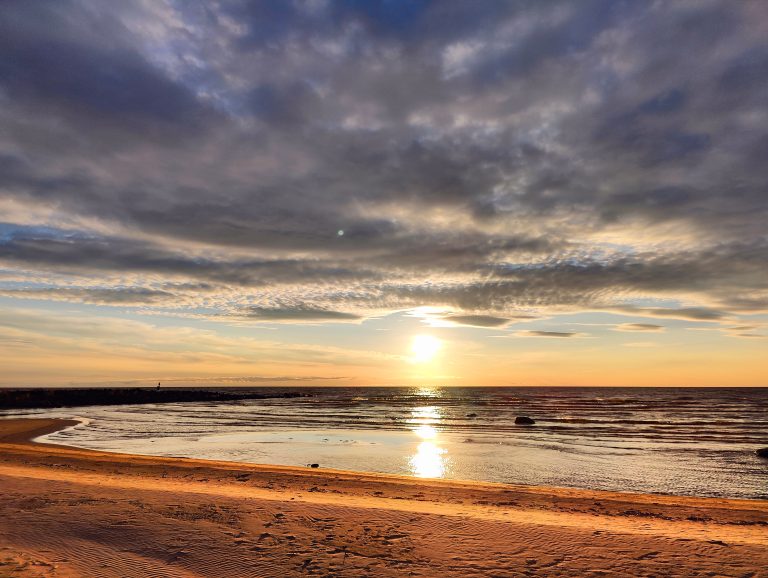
61, 424
38, 471
29, 437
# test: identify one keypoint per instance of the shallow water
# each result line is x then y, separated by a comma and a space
661, 440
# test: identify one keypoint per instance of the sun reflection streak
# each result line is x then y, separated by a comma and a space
429, 391
428, 414
426, 432
429, 460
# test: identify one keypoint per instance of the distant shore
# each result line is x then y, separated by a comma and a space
46, 398
74, 512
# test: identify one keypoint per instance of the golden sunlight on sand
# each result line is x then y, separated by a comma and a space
69, 512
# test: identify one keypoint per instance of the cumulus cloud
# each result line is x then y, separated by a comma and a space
351, 159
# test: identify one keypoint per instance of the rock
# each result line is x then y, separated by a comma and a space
762, 453
471, 415
524, 420
314, 465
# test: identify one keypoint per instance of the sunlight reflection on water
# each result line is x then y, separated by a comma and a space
425, 432
429, 459
427, 414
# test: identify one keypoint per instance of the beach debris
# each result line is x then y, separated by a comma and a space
471, 415
524, 420
762, 453
313, 465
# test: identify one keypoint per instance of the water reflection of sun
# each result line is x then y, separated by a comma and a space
427, 415
429, 459
426, 432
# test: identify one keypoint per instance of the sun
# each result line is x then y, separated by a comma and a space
424, 348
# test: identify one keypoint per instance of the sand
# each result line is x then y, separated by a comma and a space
72, 512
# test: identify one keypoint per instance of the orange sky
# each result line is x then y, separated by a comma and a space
69, 348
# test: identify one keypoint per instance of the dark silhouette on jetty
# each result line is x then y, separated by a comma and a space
64, 397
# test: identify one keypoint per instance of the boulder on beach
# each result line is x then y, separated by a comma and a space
524, 420
762, 453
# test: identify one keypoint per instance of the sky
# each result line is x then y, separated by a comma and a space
394, 192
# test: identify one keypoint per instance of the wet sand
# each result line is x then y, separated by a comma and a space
72, 512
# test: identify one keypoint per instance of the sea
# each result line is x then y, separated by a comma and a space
681, 441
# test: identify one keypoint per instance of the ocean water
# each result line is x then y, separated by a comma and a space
680, 441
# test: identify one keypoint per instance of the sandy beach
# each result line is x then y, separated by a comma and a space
72, 512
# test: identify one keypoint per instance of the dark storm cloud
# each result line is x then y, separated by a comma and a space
493, 157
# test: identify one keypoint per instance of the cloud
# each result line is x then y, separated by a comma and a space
477, 320
549, 334
506, 159
298, 313
648, 327
109, 296
688, 313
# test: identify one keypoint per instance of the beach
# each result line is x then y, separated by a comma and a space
76, 512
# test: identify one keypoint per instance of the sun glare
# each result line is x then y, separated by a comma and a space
424, 348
